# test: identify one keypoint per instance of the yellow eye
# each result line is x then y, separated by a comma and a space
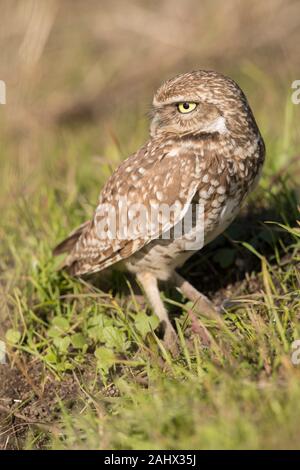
186, 107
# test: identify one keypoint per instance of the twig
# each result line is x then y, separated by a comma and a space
42, 425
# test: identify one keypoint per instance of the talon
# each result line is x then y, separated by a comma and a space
171, 341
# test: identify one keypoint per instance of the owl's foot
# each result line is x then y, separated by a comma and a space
149, 283
171, 340
201, 302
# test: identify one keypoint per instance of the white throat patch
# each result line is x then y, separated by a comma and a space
218, 125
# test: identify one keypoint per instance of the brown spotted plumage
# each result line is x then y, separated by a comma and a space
210, 156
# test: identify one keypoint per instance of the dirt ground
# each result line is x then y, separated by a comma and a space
29, 397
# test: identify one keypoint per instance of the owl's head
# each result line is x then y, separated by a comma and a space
200, 102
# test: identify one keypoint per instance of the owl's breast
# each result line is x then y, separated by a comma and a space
226, 182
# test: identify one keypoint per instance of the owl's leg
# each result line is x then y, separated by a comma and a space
202, 303
149, 284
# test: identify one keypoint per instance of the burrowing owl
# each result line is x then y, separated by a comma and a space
205, 150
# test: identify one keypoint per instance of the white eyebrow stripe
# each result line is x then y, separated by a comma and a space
175, 99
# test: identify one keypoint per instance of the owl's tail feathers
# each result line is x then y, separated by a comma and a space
68, 243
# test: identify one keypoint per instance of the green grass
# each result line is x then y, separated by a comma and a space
233, 386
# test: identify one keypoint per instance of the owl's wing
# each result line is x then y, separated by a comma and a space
126, 218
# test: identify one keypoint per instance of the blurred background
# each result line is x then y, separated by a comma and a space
80, 76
